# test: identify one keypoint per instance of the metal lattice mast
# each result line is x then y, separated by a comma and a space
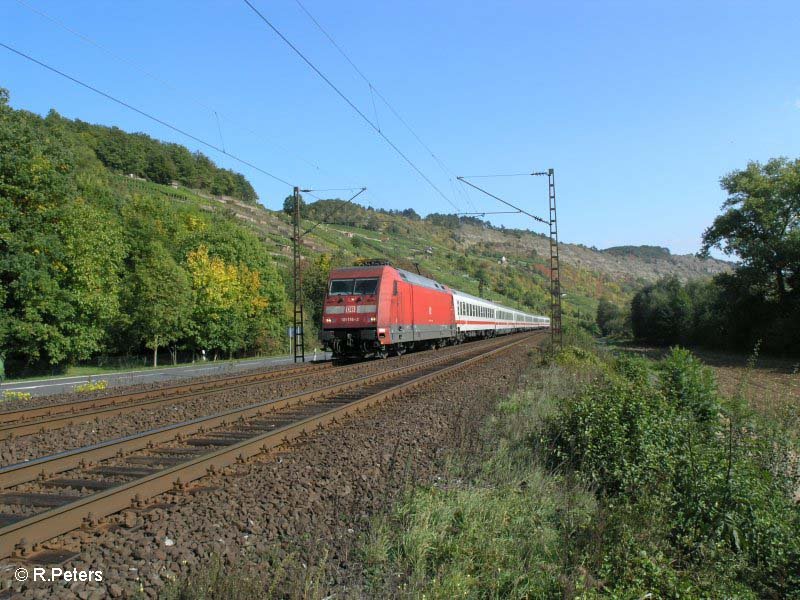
297, 330
556, 338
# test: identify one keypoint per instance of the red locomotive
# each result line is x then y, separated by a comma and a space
375, 309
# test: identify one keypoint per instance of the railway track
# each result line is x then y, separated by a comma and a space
44, 498
26, 421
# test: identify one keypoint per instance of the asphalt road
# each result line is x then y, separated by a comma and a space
58, 385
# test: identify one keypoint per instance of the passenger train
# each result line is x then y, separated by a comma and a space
375, 309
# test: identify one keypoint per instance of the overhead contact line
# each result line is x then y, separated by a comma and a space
144, 113
350, 103
127, 61
375, 92
498, 198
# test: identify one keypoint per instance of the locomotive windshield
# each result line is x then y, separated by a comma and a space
356, 287
341, 287
366, 286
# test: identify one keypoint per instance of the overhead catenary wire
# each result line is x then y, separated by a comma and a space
350, 103
375, 92
501, 175
498, 198
333, 210
144, 113
122, 59
491, 212
219, 129
346, 189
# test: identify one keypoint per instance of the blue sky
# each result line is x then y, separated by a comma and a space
639, 106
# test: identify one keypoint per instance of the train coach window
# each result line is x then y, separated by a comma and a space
366, 286
341, 287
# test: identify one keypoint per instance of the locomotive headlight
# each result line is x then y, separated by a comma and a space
328, 320
372, 319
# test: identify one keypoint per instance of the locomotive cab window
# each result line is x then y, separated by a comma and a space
365, 286
341, 287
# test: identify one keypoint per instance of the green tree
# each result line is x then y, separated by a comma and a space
59, 255
609, 318
484, 281
761, 222
161, 299
160, 168
661, 313
288, 205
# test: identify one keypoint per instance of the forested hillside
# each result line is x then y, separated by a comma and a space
647, 252
92, 262
137, 155
96, 263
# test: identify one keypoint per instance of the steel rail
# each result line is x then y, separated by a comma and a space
44, 526
30, 470
34, 420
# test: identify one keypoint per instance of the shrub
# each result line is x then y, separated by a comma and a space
14, 395
574, 357
633, 368
697, 493
614, 434
643, 484
690, 385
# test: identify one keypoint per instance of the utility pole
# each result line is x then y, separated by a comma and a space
556, 338
297, 332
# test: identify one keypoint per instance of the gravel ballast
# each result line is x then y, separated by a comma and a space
300, 509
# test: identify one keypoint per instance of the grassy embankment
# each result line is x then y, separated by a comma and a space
604, 477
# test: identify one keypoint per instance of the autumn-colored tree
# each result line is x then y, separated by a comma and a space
226, 298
